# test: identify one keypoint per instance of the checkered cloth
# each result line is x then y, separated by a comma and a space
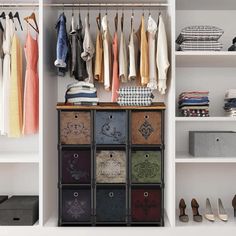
199, 32
134, 101
135, 91
201, 46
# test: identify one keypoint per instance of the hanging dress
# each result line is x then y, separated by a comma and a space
9, 30
107, 53
144, 65
152, 29
98, 72
132, 56
15, 90
88, 53
115, 76
31, 89
162, 61
1, 75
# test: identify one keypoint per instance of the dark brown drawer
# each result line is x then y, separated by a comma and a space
111, 166
75, 127
146, 127
76, 166
146, 204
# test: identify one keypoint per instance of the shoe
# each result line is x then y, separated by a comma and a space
182, 206
234, 205
209, 215
221, 211
196, 216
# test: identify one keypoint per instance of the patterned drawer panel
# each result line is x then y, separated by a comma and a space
111, 166
76, 205
146, 127
146, 204
146, 167
111, 205
75, 127
76, 166
111, 127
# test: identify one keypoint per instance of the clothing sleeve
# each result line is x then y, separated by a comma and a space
162, 56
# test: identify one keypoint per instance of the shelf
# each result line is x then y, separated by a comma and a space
205, 119
230, 223
205, 59
187, 158
21, 157
205, 5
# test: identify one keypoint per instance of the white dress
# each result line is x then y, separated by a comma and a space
106, 53
9, 31
132, 58
152, 29
88, 52
162, 56
123, 64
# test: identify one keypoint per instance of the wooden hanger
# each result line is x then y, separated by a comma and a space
98, 20
32, 17
116, 21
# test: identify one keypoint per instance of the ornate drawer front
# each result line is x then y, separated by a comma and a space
111, 127
76, 166
146, 167
111, 205
76, 205
146, 127
75, 127
111, 166
146, 204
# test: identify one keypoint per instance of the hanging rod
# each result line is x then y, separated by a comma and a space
108, 5
21, 5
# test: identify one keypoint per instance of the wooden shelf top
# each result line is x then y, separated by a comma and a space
110, 106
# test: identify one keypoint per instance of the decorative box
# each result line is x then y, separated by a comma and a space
146, 166
146, 127
146, 205
110, 127
76, 166
75, 127
111, 205
212, 143
19, 210
76, 205
111, 166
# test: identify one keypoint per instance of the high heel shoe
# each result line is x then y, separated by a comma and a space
196, 216
234, 205
183, 217
209, 213
221, 211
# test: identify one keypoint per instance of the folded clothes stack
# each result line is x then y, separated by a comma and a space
135, 96
200, 38
194, 104
81, 93
230, 103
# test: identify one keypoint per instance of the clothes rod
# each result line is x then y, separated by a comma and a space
16, 5
107, 5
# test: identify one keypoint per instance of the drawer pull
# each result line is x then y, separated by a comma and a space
111, 194
146, 117
76, 194
111, 155
16, 219
217, 139
145, 194
147, 155
76, 155
110, 116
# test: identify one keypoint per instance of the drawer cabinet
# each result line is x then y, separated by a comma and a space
109, 129
76, 166
146, 204
146, 166
75, 127
146, 127
111, 167
111, 205
76, 205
